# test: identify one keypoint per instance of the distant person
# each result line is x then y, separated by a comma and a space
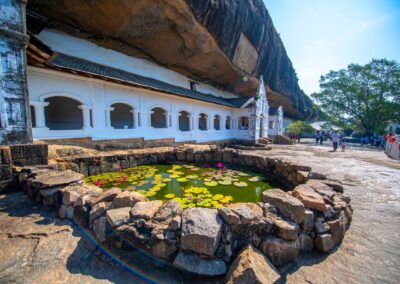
317, 137
335, 140
343, 144
321, 138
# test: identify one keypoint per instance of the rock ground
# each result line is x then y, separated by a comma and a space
35, 246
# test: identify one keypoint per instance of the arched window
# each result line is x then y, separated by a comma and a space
243, 123
158, 118
203, 121
121, 116
217, 122
184, 121
228, 123
63, 113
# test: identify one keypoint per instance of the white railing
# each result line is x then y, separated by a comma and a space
392, 150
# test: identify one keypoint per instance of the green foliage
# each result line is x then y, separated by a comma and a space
364, 97
298, 127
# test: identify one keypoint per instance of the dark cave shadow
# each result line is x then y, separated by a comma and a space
96, 260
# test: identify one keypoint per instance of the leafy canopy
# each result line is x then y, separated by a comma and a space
298, 127
366, 97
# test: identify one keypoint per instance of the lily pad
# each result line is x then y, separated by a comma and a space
211, 183
182, 179
240, 184
254, 179
169, 195
225, 182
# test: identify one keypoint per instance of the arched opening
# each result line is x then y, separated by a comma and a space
63, 113
243, 123
203, 121
184, 121
158, 118
33, 116
121, 116
228, 123
217, 122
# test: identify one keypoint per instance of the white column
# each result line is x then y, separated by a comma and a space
39, 113
108, 116
135, 119
86, 116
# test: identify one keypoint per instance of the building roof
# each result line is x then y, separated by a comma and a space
64, 61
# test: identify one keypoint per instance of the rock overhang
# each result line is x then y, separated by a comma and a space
204, 40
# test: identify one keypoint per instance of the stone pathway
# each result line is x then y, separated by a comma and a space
37, 247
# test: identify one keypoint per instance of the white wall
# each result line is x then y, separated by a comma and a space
99, 95
77, 47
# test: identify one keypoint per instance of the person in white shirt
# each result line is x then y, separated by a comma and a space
335, 140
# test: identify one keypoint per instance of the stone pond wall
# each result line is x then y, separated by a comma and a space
309, 214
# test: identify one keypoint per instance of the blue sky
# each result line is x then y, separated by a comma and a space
323, 35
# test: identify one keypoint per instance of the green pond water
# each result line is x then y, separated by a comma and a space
189, 184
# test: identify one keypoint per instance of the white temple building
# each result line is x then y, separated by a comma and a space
87, 91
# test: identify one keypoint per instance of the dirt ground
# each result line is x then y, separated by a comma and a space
37, 247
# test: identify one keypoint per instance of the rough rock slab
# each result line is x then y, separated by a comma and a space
69, 197
52, 178
168, 210
146, 210
118, 217
193, 263
287, 230
324, 242
127, 199
250, 266
308, 222
305, 242
310, 198
322, 188
100, 229
286, 204
279, 251
97, 211
201, 230
107, 196
247, 212
229, 215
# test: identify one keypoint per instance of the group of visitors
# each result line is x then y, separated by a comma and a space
337, 139
376, 140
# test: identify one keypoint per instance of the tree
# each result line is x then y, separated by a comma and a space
364, 96
297, 127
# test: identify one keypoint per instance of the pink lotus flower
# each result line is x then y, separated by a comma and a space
124, 178
220, 165
97, 182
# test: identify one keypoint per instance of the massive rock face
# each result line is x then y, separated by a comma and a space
213, 41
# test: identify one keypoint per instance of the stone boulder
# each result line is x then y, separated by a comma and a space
229, 215
286, 204
286, 230
308, 222
118, 217
168, 211
321, 188
337, 229
97, 211
201, 230
279, 251
247, 212
146, 210
52, 178
324, 242
127, 199
310, 198
100, 229
107, 196
250, 266
70, 197
305, 242
194, 264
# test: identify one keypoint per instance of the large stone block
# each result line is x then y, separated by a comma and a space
146, 210
250, 266
52, 178
118, 217
286, 204
279, 251
287, 230
194, 264
324, 242
127, 199
201, 230
310, 198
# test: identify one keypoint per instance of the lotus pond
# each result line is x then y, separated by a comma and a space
189, 184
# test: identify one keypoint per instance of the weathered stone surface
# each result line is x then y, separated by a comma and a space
107, 196
175, 223
286, 204
247, 212
127, 199
66, 212
324, 242
250, 266
308, 222
286, 230
279, 251
337, 230
146, 210
193, 263
82, 200
118, 217
321, 227
335, 185
201, 230
310, 198
305, 242
321, 188
168, 210
228, 215
52, 178
97, 211
69, 197
100, 229
163, 249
